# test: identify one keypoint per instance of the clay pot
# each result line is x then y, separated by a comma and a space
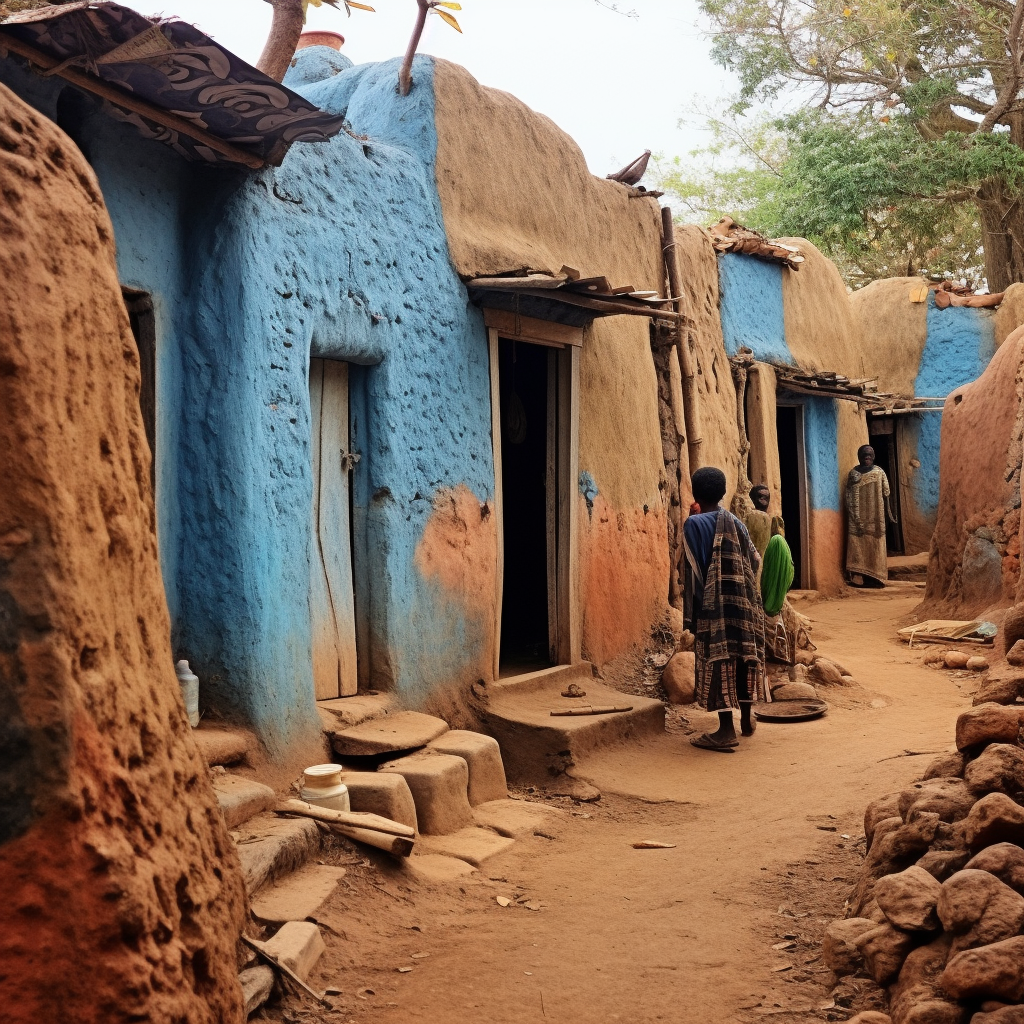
335, 40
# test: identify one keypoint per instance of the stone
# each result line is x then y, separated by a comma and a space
440, 788
1002, 1015
870, 1017
908, 899
987, 723
794, 691
839, 951
392, 734
878, 810
884, 949
1015, 655
956, 659
848, 680
943, 863
298, 945
976, 663
435, 867
382, 793
917, 996
999, 689
298, 895
1005, 861
936, 657
678, 678
987, 972
896, 849
575, 789
999, 768
221, 746
979, 909
1012, 627
518, 819
799, 672
473, 845
271, 847
241, 799
826, 672
994, 819
950, 799
257, 984
981, 572
804, 658
946, 766
340, 713
483, 758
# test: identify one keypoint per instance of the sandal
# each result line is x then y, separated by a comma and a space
705, 742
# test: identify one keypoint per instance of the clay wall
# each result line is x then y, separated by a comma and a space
122, 894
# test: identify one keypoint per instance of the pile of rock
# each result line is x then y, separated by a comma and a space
938, 910
956, 660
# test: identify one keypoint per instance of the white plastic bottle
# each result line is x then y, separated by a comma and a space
322, 786
189, 683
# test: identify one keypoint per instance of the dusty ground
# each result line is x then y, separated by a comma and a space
725, 927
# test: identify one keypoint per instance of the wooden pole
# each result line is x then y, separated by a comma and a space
688, 368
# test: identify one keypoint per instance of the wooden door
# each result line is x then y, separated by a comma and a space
332, 602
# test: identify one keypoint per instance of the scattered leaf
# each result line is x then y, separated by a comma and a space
529, 974
404, 970
784, 945
532, 905
420, 956
502, 901
448, 19
779, 970
653, 844
826, 828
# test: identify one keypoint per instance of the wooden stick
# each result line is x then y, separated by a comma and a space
352, 819
691, 397
397, 846
139, 106
286, 971
604, 709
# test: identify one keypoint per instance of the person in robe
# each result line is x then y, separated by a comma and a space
760, 525
722, 608
867, 508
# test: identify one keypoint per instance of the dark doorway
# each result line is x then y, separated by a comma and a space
882, 437
523, 391
143, 322
789, 432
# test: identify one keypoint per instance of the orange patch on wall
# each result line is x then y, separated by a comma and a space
623, 577
827, 551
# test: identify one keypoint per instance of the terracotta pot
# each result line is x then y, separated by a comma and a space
335, 40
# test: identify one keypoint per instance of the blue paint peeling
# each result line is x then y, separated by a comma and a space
750, 301
588, 488
340, 253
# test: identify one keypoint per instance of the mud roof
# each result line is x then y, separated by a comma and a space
168, 79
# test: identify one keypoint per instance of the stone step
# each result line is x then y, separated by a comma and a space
440, 788
483, 758
517, 819
270, 847
543, 679
221, 746
473, 845
535, 746
342, 713
383, 793
241, 798
392, 734
298, 895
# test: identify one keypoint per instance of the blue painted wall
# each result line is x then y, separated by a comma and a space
339, 253
961, 343
750, 302
821, 447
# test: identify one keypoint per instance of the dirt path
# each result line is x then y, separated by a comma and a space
768, 842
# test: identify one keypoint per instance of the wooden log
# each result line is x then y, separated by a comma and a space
257, 948
397, 846
603, 709
352, 819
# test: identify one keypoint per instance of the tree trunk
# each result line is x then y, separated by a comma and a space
284, 37
1002, 223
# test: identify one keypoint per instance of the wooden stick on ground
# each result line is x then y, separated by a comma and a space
286, 971
604, 709
353, 819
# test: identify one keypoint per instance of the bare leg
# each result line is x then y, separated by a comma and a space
726, 732
747, 721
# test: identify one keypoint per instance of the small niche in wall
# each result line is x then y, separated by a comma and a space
140, 315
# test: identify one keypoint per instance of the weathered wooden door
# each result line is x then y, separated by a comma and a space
332, 604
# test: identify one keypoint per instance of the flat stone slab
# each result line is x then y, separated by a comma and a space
383, 793
270, 847
517, 819
473, 845
241, 799
405, 730
298, 895
434, 867
298, 945
439, 784
342, 713
221, 746
483, 756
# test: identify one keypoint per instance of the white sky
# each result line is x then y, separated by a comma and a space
618, 85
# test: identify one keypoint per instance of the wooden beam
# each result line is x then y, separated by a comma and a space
569, 633
527, 328
124, 99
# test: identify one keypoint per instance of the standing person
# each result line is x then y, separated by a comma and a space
867, 506
761, 526
723, 611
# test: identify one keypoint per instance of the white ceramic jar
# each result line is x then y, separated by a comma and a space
189, 683
322, 786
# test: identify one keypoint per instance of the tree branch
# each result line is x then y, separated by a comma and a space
285, 30
1012, 86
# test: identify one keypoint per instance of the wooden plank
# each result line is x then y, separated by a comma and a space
569, 634
528, 328
334, 523
499, 569
551, 498
133, 103
323, 625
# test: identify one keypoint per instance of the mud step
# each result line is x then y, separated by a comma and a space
270, 848
535, 745
222, 746
341, 713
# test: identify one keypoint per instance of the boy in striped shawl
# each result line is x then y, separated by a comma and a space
723, 611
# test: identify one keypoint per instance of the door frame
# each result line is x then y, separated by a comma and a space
802, 489
564, 634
